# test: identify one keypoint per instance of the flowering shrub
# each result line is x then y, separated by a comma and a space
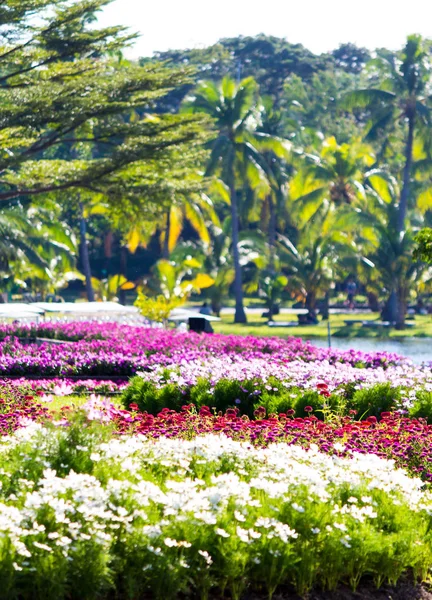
84, 513
153, 391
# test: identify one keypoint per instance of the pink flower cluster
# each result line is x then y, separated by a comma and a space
111, 349
67, 387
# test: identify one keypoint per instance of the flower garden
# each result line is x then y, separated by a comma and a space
143, 463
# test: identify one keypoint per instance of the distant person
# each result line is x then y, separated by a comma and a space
351, 289
205, 309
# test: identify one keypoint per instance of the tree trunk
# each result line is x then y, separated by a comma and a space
402, 306
403, 202
216, 306
272, 234
85, 257
165, 249
373, 301
325, 310
397, 305
240, 315
310, 304
389, 311
270, 311
108, 244
123, 271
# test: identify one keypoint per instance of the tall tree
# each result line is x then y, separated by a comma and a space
34, 240
389, 251
403, 97
333, 172
62, 88
274, 211
313, 257
236, 150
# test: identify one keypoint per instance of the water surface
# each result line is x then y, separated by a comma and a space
417, 349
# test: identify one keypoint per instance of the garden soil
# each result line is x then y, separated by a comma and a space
404, 591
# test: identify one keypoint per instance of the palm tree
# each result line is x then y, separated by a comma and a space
274, 211
36, 246
389, 251
335, 172
312, 260
234, 151
403, 96
198, 210
218, 264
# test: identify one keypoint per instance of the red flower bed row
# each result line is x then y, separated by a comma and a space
407, 441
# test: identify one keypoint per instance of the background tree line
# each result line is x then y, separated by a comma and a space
253, 164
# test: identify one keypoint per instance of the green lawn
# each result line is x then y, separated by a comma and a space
73, 401
258, 326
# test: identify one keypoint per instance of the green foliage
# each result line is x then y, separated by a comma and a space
108, 289
72, 114
246, 396
152, 399
423, 251
35, 246
422, 406
275, 397
372, 401
157, 308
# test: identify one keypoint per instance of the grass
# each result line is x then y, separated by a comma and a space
258, 326
73, 401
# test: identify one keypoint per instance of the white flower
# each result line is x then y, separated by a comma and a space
206, 556
222, 532
345, 541
242, 534
42, 546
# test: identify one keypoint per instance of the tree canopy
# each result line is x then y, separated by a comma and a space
75, 114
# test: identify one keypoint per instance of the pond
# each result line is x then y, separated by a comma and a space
417, 349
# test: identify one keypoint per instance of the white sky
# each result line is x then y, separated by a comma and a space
320, 25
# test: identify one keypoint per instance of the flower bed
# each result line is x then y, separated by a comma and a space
112, 350
18, 408
67, 387
288, 467
249, 385
85, 514
406, 441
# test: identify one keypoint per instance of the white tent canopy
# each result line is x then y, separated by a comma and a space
20, 310
84, 307
36, 310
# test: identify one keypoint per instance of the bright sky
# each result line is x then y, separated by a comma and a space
320, 25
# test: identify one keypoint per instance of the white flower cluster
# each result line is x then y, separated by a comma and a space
198, 500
